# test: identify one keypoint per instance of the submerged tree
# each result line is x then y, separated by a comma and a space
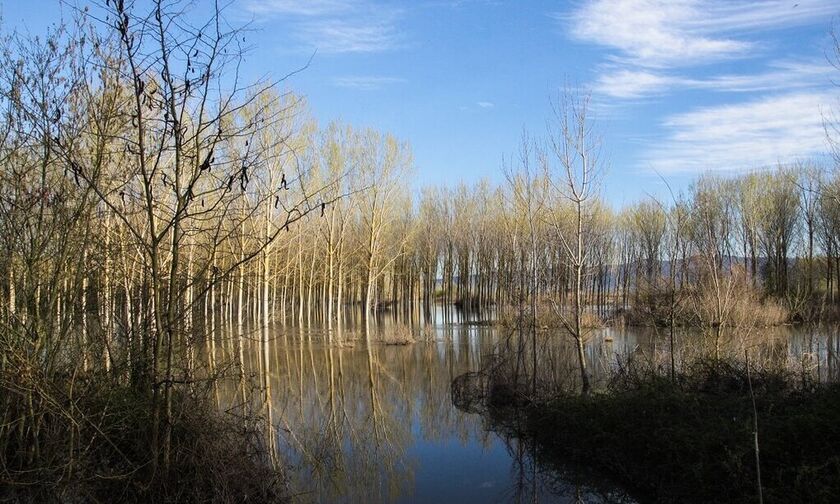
575, 165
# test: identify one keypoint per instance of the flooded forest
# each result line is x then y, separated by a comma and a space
208, 295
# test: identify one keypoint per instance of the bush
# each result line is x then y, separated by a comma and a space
547, 318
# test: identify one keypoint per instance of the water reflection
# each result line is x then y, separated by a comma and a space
375, 423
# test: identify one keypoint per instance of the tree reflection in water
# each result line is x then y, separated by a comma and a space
359, 422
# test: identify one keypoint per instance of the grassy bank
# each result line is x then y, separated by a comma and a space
692, 441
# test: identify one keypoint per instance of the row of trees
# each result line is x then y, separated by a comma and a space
469, 245
117, 222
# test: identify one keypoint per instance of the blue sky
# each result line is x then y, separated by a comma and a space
678, 87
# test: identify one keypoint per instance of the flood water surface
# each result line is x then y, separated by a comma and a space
376, 423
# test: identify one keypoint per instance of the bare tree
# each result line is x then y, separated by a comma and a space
575, 166
383, 161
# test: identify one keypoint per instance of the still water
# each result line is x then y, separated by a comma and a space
376, 423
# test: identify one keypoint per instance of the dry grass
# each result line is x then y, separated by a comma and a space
547, 318
400, 334
87, 437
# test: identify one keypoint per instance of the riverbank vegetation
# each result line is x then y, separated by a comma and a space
691, 438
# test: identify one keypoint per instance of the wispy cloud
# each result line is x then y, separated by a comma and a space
657, 47
633, 83
485, 104
625, 82
742, 136
651, 33
673, 33
336, 26
754, 15
274, 8
654, 47
353, 35
365, 82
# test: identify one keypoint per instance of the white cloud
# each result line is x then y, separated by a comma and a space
755, 15
651, 33
626, 83
335, 26
346, 36
365, 82
784, 75
742, 136
297, 7
674, 33
787, 75
485, 104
